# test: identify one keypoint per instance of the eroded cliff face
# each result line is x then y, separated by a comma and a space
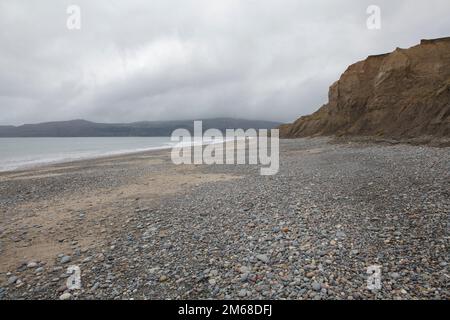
403, 94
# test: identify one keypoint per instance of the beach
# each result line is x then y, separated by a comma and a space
140, 227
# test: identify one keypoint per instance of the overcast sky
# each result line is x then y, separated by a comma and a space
162, 59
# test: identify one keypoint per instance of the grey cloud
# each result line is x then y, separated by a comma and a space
159, 60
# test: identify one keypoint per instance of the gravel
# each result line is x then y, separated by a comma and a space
309, 232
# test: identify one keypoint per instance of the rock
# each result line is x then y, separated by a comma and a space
242, 293
244, 269
322, 253
262, 257
95, 286
340, 235
213, 273
163, 278
244, 277
395, 275
316, 286
65, 259
12, 279
62, 288
39, 270
32, 264
65, 296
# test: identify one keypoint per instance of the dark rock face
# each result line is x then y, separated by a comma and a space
403, 94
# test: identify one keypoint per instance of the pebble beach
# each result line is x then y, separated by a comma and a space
140, 227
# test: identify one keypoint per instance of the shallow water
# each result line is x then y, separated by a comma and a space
18, 153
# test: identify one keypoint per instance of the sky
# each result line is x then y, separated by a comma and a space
189, 59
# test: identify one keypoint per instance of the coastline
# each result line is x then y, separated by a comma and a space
141, 227
48, 163
111, 154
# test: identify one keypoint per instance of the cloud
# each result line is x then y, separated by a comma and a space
160, 60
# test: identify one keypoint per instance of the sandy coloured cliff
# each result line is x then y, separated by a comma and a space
403, 94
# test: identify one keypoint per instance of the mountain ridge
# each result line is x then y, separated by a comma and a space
85, 128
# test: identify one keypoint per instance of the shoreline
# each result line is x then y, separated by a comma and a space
112, 154
50, 164
46, 164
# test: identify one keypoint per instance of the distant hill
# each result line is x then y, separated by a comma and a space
83, 128
403, 94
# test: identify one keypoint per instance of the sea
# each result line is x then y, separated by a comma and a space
22, 153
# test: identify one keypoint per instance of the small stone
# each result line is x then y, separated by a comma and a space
357, 295
245, 276
153, 270
12, 279
242, 293
340, 234
65, 259
322, 253
65, 296
95, 286
32, 264
213, 273
262, 257
39, 270
62, 288
244, 269
316, 286
395, 275
163, 278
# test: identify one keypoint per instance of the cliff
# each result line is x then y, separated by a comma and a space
403, 94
